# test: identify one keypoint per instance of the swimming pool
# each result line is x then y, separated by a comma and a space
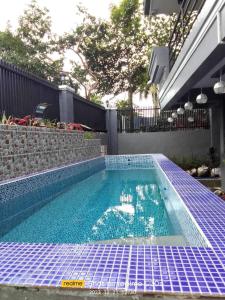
191, 270
124, 201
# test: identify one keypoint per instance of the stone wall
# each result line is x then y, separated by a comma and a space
104, 141
26, 150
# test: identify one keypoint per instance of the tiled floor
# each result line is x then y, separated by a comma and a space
140, 268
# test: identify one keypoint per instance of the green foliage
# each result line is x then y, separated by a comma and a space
88, 135
49, 123
132, 44
33, 44
79, 42
12, 49
96, 99
160, 28
134, 38
35, 28
154, 90
190, 162
4, 119
122, 104
111, 57
127, 16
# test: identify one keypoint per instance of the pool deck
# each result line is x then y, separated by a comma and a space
132, 268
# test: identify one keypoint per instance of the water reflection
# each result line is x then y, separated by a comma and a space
126, 198
137, 209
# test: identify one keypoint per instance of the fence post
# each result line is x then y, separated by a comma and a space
214, 121
111, 125
221, 132
66, 105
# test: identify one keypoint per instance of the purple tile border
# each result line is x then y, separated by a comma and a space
161, 269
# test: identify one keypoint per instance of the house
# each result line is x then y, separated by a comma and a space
193, 63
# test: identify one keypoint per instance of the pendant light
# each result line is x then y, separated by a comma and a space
202, 98
170, 120
190, 119
180, 111
188, 105
174, 115
219, 87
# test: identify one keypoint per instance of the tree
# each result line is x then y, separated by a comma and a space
139, 37
96, 99
154, 92
134, 45
111, 57
122, 104
32, 45
87, 42
12, 49
35, 32
120, 57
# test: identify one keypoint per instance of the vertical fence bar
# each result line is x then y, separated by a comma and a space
152, 119
20, 92
91, 114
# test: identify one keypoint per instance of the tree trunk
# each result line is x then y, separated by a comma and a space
155, 98
87, 94
156, 104
130, 101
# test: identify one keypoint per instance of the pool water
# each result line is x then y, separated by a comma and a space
108, 205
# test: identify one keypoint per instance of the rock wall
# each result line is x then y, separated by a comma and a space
26, 150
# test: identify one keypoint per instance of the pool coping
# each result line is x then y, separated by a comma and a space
132, 268
185, 206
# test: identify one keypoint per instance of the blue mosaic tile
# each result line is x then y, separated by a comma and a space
208, 209
141, 161
22, 197
138, 268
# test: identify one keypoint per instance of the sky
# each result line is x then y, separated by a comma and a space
63, 13
64, 17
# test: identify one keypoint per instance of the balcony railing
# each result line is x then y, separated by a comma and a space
152, 119
189, 11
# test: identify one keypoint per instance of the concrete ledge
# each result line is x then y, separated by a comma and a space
66, 88
21, 293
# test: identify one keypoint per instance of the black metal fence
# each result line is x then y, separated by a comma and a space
152, 119
89, 113
189, 12
21, 92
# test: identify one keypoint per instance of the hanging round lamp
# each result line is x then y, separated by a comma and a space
202, 98
174, 115
219, 87
190, 119
180, 111
188, 105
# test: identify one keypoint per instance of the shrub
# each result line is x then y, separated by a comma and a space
194, 161
88, 135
